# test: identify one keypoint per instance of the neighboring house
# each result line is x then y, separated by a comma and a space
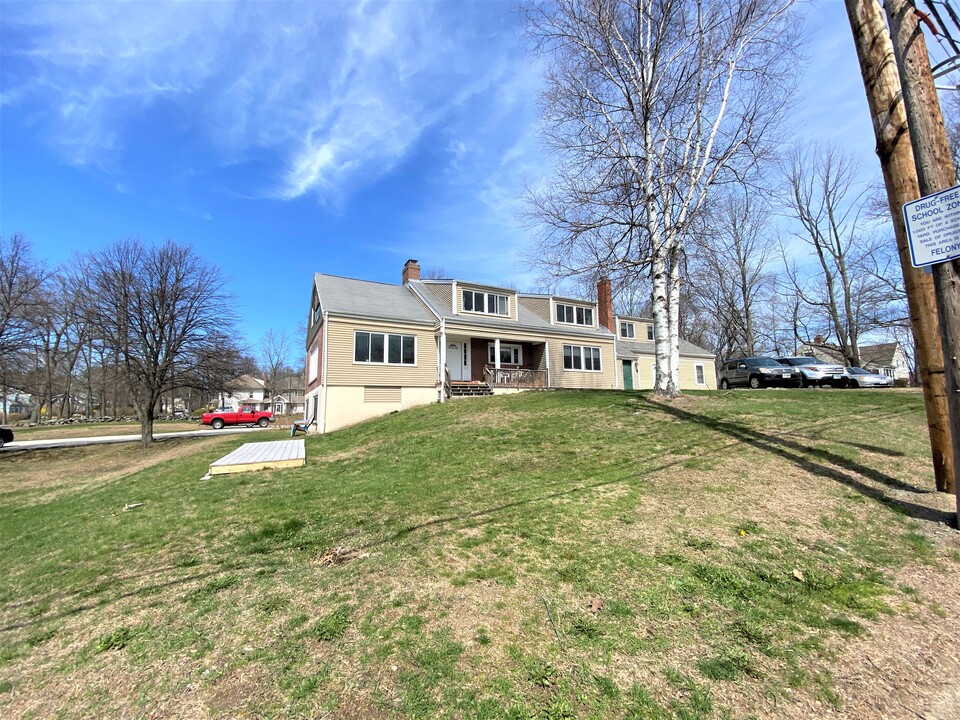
248, 391
288, 403
884, 358
373, 348
17, 402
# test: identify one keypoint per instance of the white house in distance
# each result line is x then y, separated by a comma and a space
246, 390
882, 358
373, 348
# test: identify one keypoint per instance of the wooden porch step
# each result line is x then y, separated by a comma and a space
471, 389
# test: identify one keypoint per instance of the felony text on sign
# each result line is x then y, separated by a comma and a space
933, 227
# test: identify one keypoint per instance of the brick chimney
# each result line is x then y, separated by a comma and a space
605, 304
411, 271
819, 340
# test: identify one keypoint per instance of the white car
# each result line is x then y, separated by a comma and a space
858, 377
814, 372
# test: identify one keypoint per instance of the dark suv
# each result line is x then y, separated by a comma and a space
756, 372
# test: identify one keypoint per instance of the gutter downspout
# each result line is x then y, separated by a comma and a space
322, 427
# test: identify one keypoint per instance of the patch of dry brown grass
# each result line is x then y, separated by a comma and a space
57, 432
50, 472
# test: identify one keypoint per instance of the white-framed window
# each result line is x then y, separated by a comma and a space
313, 364
581, 357
701, 377
627, 330
574, 314
487, 303
384, 348
509, 354
649, 332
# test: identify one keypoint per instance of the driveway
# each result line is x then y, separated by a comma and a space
105, 439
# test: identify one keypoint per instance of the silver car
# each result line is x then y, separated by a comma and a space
858, 377
813, 372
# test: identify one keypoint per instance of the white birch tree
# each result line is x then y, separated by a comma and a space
648, 105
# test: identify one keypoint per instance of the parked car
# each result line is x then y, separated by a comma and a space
756, 372
228, 416
6, 435
858, 377
814, 372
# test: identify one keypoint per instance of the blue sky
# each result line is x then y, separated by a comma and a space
282, 139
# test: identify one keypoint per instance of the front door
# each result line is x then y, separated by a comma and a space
627, 375
457, 360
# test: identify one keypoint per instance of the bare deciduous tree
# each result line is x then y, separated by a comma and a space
731, 274
21, 277
164, 312
274, 352
649, 104
855, 287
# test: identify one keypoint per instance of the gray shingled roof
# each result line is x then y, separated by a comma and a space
346, 296
526, 320
881, 355
631, 349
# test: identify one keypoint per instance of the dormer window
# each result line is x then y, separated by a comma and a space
574, 314
627, 330
486, 303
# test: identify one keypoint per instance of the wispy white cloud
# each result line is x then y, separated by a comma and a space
335, 95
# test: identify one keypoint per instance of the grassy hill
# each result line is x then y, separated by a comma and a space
548, 555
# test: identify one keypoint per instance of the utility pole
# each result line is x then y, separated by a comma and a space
882, 84
935, 171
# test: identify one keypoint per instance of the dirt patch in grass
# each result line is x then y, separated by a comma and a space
241, 689
63, 470
907, 665
353, 453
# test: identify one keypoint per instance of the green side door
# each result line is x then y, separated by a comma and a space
627, 375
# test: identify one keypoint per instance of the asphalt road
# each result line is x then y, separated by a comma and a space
106, 439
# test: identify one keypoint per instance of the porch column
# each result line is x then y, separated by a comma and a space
496, 353
442, 365
546, 359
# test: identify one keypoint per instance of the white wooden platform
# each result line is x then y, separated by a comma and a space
261, 456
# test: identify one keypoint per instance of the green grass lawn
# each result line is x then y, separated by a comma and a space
544, 555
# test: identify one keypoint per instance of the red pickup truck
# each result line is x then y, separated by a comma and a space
228, 416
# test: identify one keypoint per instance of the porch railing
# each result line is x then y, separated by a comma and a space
514, 377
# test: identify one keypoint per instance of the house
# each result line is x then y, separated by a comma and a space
17, 402
373, 347
289, 402
883, 358
248, 391
636, 354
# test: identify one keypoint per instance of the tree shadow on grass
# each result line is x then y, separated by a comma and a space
818, 461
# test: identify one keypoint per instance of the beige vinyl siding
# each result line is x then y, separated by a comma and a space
381, 394
512, 302
688, 374
583, 379
443, 292
538, 306
342, 370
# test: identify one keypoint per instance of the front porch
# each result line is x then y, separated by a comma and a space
495, 364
